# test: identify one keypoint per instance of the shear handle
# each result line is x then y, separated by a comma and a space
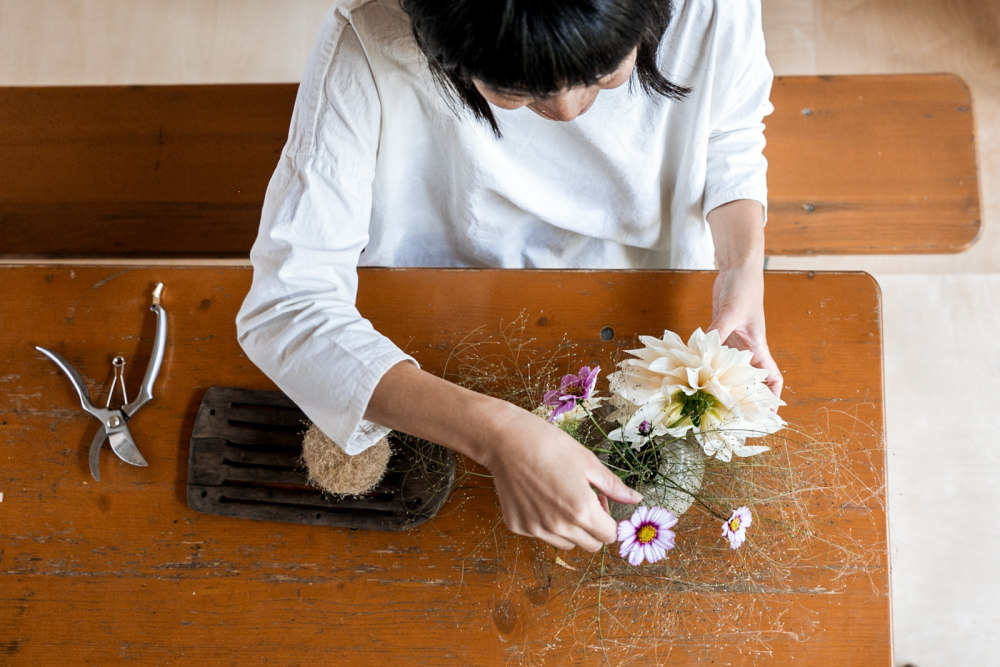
75, 379
145, 394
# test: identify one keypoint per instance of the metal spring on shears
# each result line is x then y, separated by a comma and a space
118, 368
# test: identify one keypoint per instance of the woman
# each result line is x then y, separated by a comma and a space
506, 133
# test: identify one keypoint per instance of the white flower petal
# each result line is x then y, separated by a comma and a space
653, 552
667, 367
635, 556
663, 518
639, 516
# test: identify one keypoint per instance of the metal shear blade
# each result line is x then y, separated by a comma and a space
121, 444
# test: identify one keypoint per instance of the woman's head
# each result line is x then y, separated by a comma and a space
526, 51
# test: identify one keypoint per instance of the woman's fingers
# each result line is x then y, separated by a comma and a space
745, 340
549, 486
775, 381
608, 484
588, 530
739, 319
555, 540
604, 502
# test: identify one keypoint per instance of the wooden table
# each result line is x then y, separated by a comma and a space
123, 569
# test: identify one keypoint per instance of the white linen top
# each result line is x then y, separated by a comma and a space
379, 170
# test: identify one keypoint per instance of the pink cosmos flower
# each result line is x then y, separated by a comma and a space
736, 527
647, 535
572, 390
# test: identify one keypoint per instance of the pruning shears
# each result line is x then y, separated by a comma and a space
114, 421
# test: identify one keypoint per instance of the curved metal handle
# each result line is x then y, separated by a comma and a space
75, 379
145, 394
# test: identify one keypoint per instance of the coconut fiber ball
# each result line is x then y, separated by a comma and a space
341, 474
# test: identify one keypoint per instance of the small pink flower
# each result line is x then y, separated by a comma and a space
572, 390
736, 527
647, 535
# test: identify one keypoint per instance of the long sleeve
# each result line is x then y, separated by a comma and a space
741, 87
299, 322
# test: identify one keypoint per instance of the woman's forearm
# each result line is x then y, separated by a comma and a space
738, 295
545, 480
413, 401
738, 235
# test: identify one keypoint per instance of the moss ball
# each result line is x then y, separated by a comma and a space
341, 474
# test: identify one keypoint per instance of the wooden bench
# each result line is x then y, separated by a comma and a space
858, 164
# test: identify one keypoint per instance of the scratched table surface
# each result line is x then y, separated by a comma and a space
122, 569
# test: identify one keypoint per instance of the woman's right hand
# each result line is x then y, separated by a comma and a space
548, 483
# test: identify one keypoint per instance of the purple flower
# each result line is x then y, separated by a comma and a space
736, 527
572, 390
647, 535
645, 427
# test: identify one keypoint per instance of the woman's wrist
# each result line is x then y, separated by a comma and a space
414, 401
738, 236
481, 436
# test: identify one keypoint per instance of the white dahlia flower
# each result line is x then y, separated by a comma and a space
673, 388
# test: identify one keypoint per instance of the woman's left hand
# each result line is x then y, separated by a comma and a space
738, 316
738, 294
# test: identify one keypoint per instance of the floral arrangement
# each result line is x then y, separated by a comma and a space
671, 406
742, 512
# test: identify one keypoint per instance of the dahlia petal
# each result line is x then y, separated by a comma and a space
748, 450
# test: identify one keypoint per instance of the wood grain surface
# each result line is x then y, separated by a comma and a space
871, 165
122, 569
858, 165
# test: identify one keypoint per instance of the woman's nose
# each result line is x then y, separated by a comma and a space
568, 104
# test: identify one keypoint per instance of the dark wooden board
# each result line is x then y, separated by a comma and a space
245, 461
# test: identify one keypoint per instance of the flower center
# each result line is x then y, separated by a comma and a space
734, 524
646, 533
696, 405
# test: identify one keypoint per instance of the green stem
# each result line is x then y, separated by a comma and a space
593, 420
694, 497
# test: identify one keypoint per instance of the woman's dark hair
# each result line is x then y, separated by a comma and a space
538, 47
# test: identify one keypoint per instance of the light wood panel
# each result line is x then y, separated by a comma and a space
100, 42
123, 569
